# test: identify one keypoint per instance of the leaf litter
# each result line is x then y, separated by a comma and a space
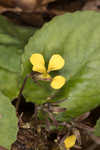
34, 133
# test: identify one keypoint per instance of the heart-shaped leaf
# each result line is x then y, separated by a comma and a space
76, 38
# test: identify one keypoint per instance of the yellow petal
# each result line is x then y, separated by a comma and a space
70, 141
39, 68
56, 62
37, 59
58, 82
45, 76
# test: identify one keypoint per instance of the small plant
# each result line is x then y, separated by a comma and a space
56, 70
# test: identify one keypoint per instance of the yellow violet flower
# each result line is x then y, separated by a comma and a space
56, 62
70, 142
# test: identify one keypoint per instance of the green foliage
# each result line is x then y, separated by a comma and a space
97, 128
8, 122
76, 38
11, 34
12, 41
8, 83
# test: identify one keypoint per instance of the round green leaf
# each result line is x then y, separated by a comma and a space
76, 37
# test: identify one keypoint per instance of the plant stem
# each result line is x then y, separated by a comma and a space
20, 93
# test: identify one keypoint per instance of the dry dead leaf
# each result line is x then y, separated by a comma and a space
8, 3
33, 5
92, 5
7, 9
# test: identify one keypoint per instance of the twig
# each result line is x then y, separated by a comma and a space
52, 118
83, 127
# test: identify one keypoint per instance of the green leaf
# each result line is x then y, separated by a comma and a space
10, 58
97, 128
12, 41
8, 122
9, 83
14, 34
76, 37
